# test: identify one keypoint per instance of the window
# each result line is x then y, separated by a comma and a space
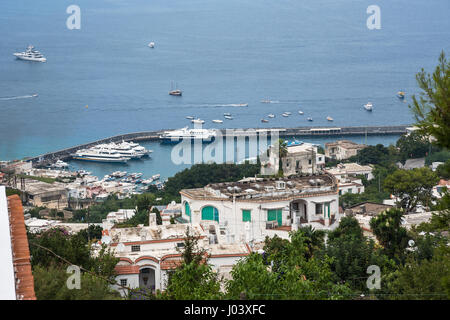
349, 190
210, 213
319, 208
123, 282
309, 161
180, 244
187, 209
246, 215
135, 248
340, 192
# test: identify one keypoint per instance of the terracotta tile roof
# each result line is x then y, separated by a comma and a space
127, 269
170, 264
21, 252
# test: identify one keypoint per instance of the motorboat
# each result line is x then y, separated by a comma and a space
59, 164
198, 121
190, 117
156, 177
228, 117
330, 118
300, 112
286, 114
401, 95
227, 114
264, 120
151, 44
310, 119
271, 115
217, 121
368, 106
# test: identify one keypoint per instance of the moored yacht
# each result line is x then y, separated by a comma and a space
99, 155
30, 55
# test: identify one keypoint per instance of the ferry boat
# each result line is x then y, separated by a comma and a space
368, 106
401, 95
175, 136
101, 155
30, 55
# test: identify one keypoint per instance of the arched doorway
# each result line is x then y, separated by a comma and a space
187, 210
147, 278
210, 213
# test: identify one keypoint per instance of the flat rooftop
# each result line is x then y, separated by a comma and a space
270, 188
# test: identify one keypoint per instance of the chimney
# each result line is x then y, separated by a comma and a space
152, 219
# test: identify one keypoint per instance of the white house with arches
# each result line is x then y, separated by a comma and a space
251, 209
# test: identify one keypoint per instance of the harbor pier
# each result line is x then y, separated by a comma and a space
65, 154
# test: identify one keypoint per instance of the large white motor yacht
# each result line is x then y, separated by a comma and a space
30, 55
99, 155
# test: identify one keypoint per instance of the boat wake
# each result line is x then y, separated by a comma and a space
18, 97
221, 105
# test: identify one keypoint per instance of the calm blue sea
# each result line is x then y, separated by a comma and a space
317, 56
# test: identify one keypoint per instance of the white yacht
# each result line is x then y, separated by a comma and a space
30, 55
368, 106
175, 136
60, 165
99, 155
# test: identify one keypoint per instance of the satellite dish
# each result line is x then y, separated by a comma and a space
106, 239
411, 243
120, 247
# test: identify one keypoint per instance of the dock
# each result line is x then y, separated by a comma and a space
65, 154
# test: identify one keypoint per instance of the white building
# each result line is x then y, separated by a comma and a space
148, 254
344, 170
250, 210
342, 149
302, 158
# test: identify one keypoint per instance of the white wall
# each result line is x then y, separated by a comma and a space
7, 278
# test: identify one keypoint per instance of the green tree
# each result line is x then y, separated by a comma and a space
411, 187
422, 279
389, 232
194, 279
50, 284
443, 170
414, 145
432, 107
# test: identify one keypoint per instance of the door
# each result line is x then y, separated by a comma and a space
275, 215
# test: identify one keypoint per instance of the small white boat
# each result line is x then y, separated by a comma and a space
227, 114
300, 112
200, 121
401, 95
286, 114
156, 177
271, 115
240, 105
59, 165
147, 181
228, 117
368, 106
330, 118
310, 119
264, 120
34, 95
190, 117
151, 45
217, 121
